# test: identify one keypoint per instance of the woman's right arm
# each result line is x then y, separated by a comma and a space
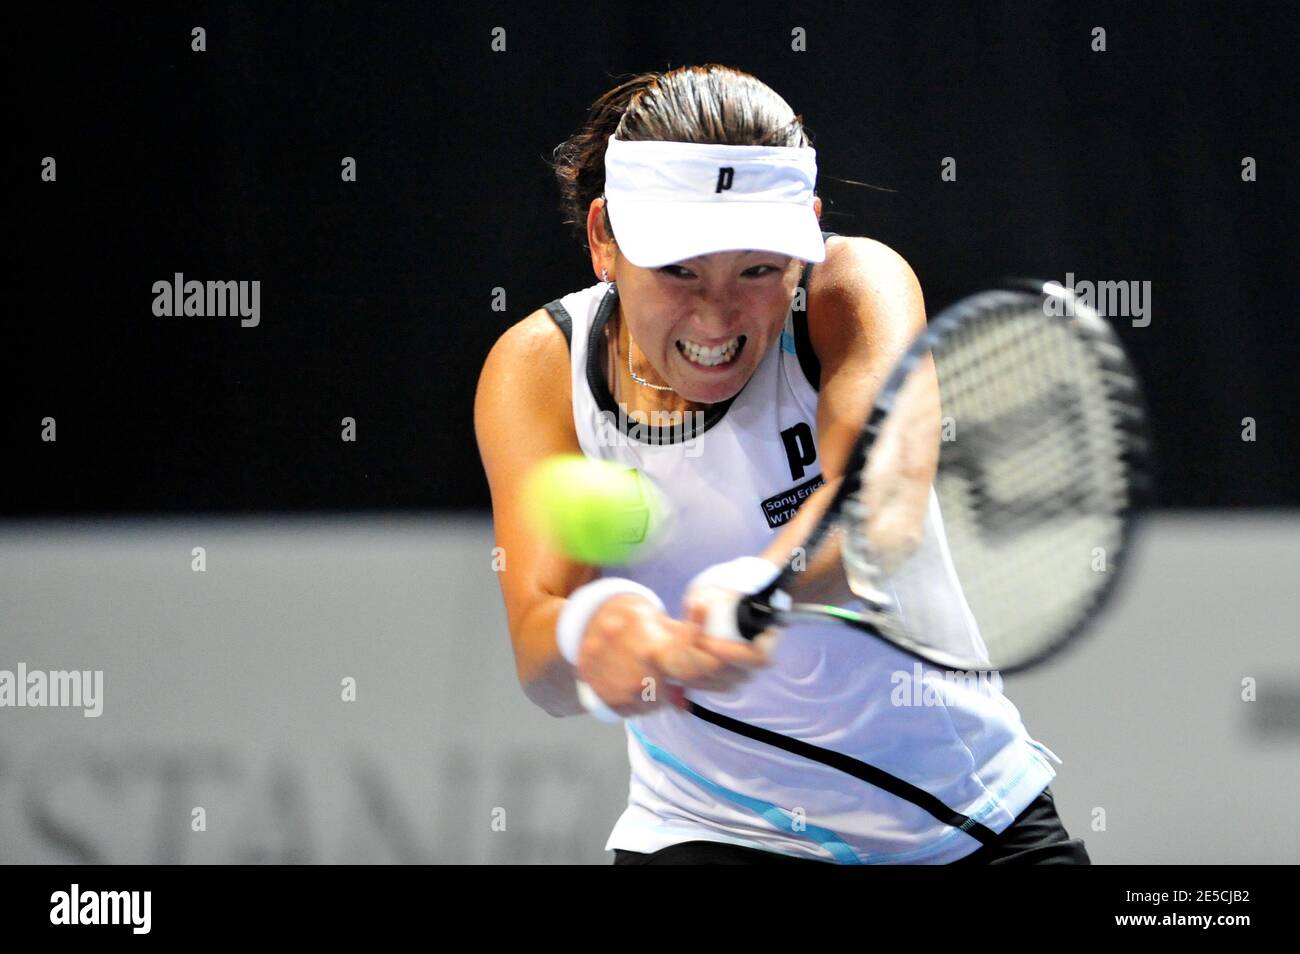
522, 415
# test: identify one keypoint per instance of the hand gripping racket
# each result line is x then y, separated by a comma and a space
988, 506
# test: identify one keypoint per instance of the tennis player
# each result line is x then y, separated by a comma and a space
713, 356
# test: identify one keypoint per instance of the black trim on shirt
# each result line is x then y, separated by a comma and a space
562, 318
807, 358
851, 766
655, 434
803, 349
671, 435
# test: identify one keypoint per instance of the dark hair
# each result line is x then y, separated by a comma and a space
710, 103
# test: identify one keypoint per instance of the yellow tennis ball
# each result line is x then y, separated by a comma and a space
594, 511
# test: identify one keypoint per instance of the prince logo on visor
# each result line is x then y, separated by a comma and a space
672, 201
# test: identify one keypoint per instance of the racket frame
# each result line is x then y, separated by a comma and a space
773, 607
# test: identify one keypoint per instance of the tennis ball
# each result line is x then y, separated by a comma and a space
594, 511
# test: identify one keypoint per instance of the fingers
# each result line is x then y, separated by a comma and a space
676, 695
766, 641
737, 661
670, 657
736, 652
745, 655
691, 660
703, 662
696, 613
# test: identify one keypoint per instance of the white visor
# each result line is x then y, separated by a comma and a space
670, 201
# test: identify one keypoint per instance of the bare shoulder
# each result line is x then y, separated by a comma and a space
526, 371
863, 291
855, 265
531, 353
536, 338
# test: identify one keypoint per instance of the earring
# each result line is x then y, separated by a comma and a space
604, 274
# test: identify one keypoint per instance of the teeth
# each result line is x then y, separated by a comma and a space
710, 357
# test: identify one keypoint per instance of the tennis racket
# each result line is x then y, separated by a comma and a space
987, 509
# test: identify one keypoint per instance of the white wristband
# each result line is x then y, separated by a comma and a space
575, 616
582, 605
744, 576
747, 574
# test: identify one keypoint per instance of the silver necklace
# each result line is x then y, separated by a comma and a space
604, 275
636, 378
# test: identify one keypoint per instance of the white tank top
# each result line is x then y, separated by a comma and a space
934, 767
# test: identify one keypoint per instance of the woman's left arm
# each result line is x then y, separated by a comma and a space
864, 308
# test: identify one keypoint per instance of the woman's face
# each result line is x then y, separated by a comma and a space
705, 323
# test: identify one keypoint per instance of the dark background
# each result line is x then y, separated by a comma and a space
377, 295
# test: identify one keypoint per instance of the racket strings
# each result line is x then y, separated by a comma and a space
1031, 486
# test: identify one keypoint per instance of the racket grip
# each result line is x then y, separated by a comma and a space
595, 704
726, 589
752, 617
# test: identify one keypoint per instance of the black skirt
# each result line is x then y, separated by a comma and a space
1036, 837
